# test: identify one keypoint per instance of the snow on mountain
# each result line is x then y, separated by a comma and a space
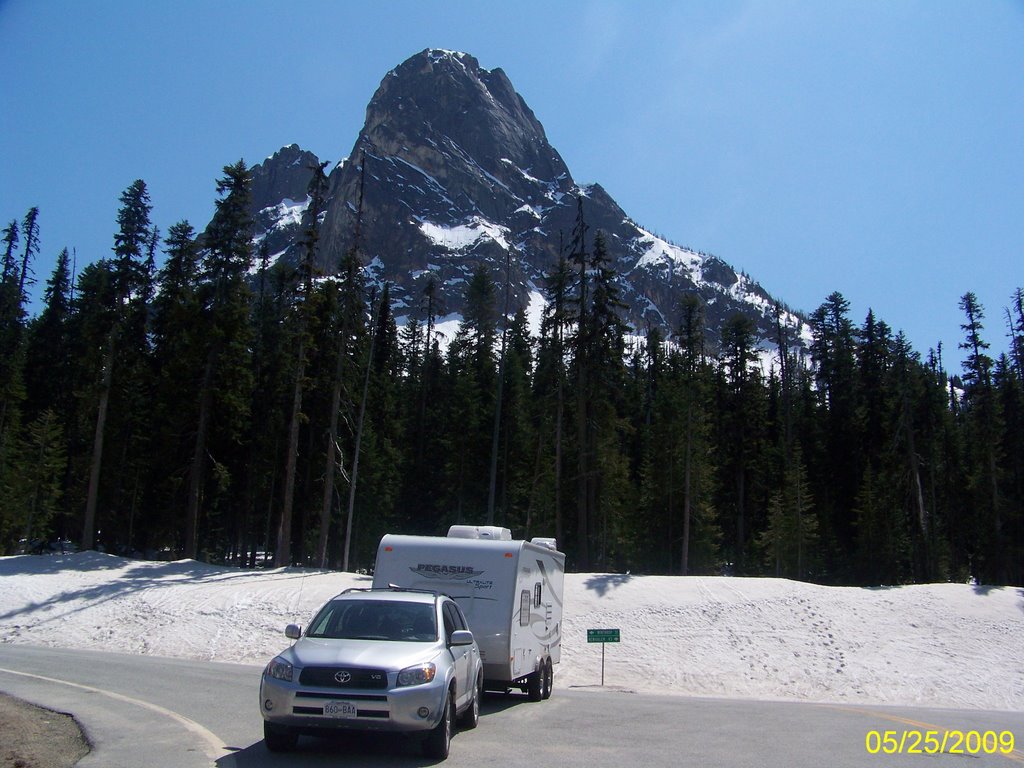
464, 236
661, 252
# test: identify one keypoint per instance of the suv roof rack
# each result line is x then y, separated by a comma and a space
394, 588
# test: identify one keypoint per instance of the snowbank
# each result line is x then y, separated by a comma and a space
944, 645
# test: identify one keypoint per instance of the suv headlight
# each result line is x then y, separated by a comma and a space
418, 675
280, 669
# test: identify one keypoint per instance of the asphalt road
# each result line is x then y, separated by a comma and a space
144, 711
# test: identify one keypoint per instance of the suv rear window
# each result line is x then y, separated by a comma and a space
375, 620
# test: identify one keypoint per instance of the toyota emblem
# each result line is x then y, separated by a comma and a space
343, 677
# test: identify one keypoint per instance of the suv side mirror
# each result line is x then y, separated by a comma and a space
461, 637
293, 631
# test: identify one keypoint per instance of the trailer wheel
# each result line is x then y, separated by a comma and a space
535, 685
549, 680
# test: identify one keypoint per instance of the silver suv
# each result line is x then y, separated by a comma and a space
385, 660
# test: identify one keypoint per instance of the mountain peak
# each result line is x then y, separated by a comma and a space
453, 170
438, 104
438, 58
442, 54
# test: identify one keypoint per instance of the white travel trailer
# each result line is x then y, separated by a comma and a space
510, 591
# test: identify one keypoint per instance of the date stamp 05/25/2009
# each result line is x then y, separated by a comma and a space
934, 742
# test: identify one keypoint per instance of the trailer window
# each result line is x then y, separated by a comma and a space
524, 608
536, 595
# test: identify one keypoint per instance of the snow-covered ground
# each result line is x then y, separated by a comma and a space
944, 645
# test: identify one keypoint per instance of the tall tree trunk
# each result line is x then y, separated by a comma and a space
283, 552
359, 439
492, 487
195, 479
687, 491
535, 483
89, 525
38, 480
583, 482
331, 458
741, 483
559, 532
582, 426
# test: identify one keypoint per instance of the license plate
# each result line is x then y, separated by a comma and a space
339, 709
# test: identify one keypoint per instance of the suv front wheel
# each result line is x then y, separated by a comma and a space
471, 717
438, 741
279, 738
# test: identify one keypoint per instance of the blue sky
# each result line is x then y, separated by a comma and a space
874, 148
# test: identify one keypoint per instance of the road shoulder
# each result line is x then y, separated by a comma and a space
34, 737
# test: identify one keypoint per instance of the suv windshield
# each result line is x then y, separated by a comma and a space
375, 620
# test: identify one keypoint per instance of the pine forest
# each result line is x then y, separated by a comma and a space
186, 398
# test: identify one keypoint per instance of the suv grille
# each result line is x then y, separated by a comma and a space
344, 677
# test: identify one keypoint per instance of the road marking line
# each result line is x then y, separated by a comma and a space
214, 746
1016, 755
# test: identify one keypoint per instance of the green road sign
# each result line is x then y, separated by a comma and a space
602, 635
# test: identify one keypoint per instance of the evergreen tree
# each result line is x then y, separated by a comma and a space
518, 452
1015, 321
49, 381
1010, 396
790, 537
740, 437
93, 314
581, 343
303, 312
598, 358
177, 337
379, 474
127, 320
269, 367
499, 398
472, 376
47, 375
225, 383
10, 264
12, 321
982, 424
688, 399
132, 242
550, 378
908, 387
881, 542
346, 300
360, 425
872, 357
30, 494
10, 302
833, 352
425, 404
30, 231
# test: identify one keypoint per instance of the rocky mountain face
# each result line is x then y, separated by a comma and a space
279, 199
458, 171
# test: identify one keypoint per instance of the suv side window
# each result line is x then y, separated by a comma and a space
460, 616
449, 620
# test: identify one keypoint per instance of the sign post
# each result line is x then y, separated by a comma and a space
602, 636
